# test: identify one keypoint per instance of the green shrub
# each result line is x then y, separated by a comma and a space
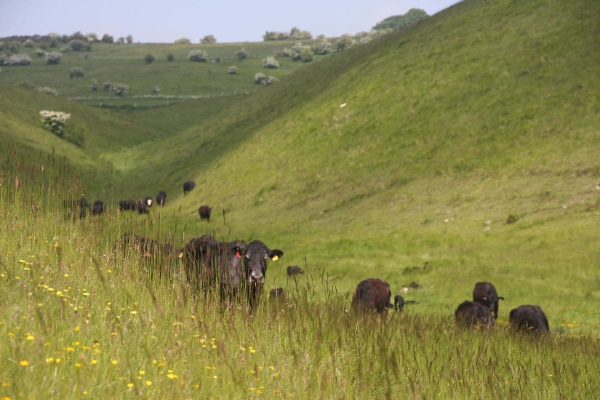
155, 89
149, 58
74, 134
322, 47
65, 50
233, 70
321, 37
119, 89
241, 54
53, 57
270, 62
129, 39
53, 43
55, 121
29, 43
76, 72
107, 86
297, 34
18, 59
78, 45
92, 37
170, 57
40, 53
47, 90
270, 80
208, 39
183, 41
94, 85
218, 59
306, 54
198, 56
121, 40
344, 42
107, 38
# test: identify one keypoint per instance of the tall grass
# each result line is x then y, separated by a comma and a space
79, 319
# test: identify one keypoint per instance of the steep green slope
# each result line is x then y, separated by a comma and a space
417, 148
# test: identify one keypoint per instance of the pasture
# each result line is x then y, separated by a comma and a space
468, 142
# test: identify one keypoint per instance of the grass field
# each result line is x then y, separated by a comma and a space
483, 111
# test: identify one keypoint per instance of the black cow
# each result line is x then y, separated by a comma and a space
126, 205
204, 212
256, 258
294, 270
98, 207
398, 302
81, 205
276, 294
161, 198
188, 186
530, 318
142, 208
372, 295
148, 201
485, 294
471, 313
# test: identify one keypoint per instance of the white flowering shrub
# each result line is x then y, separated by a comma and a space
270, 62
18, 59
29, 43
260, 78
40, 53
79, 45
241, 54
118, 89
55, 121
53, 57
155, 89
270, 80
47, 90
301, 53
233, 70
344, 42
323, 47
3, 59
183, 41
208, 39
198, 56
94, 85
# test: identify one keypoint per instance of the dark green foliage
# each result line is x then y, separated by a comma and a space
208, 39
74, 133
241, 54
79, 45
107, 38
53, 57
198, 56
295, 34
233, 70
183, 41
344, 42
149, 58
170, 57
129, 39
398, 22
76, 72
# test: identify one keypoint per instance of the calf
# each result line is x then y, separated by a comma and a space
204, 212
161, 198
471, 313
294, 270
98, 207
530, 318
485, 294
188, 186
372, 295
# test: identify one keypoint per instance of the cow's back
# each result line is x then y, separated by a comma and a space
372, 295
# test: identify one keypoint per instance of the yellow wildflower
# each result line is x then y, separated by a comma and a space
24, 363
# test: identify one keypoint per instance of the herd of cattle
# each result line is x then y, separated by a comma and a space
142, 206
237, 270
375, 295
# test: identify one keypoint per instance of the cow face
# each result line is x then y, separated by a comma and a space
256, 259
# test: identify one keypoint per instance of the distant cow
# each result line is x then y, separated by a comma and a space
529, 317
294, 270
161, 198
148, 201
372, 295
98, 207
126, 205
471, 313
142, 208
204, 212
398, 302
188, 186
485, 294
276, 294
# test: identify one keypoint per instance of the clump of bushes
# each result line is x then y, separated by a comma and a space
53, 58
270, 80
107, 38
121, 40
65, 50
18, 59
58, 123
233, 70
183, 41
241, 54
155, 89
3, 59
47, 90
118, 89
198, 56
344, 42
301, 53
170, 57
208, 39
79, 45
218, 59
149, 58
29, 43
322, 47
295, 34
94, 86
40, 53
76, 72
129, 39
261, 78
270, 62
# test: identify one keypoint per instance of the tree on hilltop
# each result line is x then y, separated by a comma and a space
398, 22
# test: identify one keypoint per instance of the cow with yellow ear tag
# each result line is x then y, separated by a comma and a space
256, 258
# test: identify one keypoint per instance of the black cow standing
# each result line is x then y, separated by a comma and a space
471, 313
205, 212
161, 198
142, 207
530, 318
188, 186
98, 207
294, 270
126, 205
398, 302
256, 258
148, 200
276, 294
372, 295
485, 294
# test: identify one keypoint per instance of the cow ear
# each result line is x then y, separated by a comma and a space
485, 297
275, 254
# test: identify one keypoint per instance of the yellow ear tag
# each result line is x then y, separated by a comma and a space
275, 258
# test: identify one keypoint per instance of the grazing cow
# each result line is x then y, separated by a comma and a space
142, 208
204, 212
148, 201
98, 207
372, 295
485, 294
256, 258
126, 205
188, 186
161, 198
471, 313
294, 270
276, 294
530, 318
398, 302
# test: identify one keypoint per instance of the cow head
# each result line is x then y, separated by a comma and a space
256, 259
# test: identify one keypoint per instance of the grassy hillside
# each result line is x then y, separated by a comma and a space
482, 111
179, 80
